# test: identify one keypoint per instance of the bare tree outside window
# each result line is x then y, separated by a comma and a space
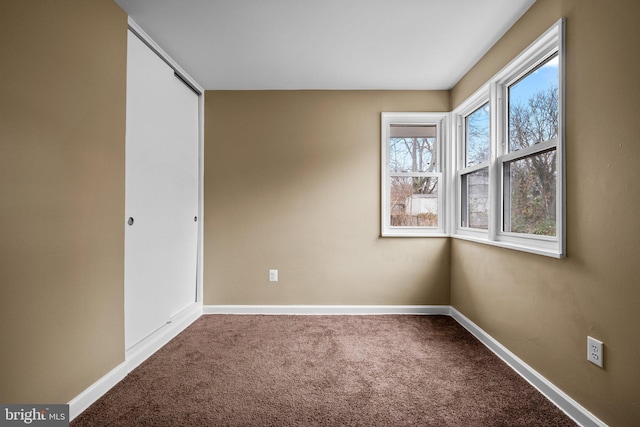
414, 199
477, 136
530, 182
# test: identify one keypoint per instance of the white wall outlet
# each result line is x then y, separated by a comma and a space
273, 275
594, 351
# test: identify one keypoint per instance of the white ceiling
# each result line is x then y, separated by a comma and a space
326, 44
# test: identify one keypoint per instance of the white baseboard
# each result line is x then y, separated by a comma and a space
134, 357
569, 406
326, 309
96, 390
145, 348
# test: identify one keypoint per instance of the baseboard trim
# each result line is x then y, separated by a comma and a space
96, 390
569, 406
327, 309
154, 342
133, 358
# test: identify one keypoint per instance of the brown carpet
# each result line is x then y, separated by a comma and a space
392, 370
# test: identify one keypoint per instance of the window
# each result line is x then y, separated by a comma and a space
474, 176
529, 164
509, 178
412, 180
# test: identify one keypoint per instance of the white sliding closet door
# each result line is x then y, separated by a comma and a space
161, 193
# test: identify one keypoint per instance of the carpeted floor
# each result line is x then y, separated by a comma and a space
227, 370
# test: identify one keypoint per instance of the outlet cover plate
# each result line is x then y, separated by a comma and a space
594, 351
273, 275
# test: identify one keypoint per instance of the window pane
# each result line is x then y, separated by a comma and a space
530, 194
477, 135
533, 106
412, 149
475, 199
414, 201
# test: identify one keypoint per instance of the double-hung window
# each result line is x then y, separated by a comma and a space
474, 173
509, 154
528, 157
412, 179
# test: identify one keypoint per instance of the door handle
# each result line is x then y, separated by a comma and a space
130, 220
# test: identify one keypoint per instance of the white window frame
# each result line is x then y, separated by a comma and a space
440, 121
495, 90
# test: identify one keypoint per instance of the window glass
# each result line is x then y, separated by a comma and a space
477, 136
475, 199
414, 201
530, 194
533, 106
412, 149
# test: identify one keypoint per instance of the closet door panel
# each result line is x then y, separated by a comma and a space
161, 197
183, 193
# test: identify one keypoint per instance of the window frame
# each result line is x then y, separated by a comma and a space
440, 121
495, 91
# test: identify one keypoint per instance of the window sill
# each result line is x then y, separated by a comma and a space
508, 245
414, 234
479, 238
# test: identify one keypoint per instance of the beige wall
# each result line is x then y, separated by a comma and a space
542, 309
62, 128
292, 182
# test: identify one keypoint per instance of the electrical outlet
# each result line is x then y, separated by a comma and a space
273, 275
594, 351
